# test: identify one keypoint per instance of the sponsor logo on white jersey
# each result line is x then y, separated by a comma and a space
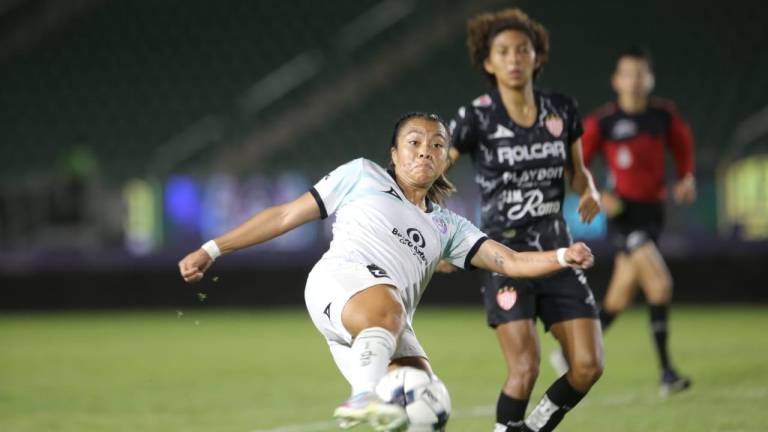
376, 271
414, 240
521, 153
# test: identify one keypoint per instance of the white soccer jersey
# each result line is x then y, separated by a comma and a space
376, 226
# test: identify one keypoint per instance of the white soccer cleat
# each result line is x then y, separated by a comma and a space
558, 362
369, 408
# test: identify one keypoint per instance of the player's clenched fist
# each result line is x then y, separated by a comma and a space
580, 256
194, 265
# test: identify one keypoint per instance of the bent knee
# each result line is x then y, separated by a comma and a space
659, 290
519, 383
615, 306
391, 317
522, 373
524, 370
387, 313
585, 373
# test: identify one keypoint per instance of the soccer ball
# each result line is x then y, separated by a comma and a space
423, 396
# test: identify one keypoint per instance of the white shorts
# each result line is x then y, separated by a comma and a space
330, 284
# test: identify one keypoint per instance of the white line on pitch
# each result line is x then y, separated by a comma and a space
478, 411
306, 427
615, 399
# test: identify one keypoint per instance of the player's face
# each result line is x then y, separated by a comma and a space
633, 78
421, 155
512, 59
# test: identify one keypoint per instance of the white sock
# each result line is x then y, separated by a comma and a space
500, 428
540, 416
372, 351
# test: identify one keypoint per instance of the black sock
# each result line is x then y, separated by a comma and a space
659, 328
510, 411
606, 318
556, 402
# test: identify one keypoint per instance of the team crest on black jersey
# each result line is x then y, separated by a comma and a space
554, 124
482, 101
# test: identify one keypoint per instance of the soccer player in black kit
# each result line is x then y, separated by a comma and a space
525, 146
633, 133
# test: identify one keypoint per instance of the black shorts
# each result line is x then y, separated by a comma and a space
637, 224
560, 297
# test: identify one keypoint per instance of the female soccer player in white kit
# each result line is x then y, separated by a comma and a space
389, 235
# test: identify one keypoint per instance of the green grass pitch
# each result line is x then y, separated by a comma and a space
256, 370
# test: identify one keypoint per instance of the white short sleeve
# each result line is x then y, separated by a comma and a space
332, 189
465, 240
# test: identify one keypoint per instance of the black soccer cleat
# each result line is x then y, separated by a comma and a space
672, 383
515, 427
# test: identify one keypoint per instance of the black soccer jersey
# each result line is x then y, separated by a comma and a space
520, 170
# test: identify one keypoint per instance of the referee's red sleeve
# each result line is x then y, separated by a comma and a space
680, 139
591, 140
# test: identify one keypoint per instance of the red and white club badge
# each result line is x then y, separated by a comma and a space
554, 125
506, 297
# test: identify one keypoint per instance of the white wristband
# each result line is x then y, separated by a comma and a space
561, 257
212, 249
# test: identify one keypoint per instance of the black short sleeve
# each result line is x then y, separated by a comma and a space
575, 128
464, 130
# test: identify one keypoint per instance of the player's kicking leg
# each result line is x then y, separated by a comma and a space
366, 407
375, 317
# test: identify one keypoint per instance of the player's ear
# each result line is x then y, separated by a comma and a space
536, 61
393, 155
487, 65
651, 82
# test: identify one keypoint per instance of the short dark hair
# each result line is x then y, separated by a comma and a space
442, 188
635, 52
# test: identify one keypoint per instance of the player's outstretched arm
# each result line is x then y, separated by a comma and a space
494, 256
263, 226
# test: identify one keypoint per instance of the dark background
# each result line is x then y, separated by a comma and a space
132, 131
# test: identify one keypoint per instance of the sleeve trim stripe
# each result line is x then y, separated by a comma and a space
320, 204
468, 261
